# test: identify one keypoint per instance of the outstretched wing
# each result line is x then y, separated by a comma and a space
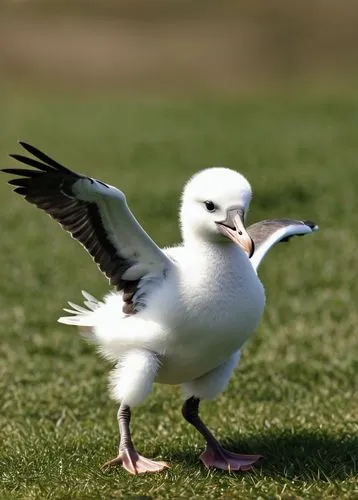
97, 215
269, 232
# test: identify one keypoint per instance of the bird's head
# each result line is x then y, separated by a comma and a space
214, 204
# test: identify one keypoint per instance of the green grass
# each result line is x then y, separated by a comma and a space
293, 397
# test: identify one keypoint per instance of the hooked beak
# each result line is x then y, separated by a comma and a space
233, 227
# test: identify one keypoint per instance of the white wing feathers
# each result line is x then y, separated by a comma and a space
122, 229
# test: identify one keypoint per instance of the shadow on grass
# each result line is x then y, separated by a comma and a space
301, 455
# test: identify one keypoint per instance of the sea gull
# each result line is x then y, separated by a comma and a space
177, 316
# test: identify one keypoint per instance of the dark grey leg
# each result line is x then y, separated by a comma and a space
124, 419
190, 411
215, 455
128, 457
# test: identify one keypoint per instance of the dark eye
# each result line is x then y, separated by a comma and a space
210, 206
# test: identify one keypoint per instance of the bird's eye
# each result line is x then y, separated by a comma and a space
210, 206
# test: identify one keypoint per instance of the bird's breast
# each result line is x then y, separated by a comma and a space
210, 321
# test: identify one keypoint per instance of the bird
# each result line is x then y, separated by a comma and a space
177, 315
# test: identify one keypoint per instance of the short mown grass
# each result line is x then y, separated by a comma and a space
294, 396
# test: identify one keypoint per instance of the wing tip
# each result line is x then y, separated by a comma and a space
312, 225
20, 190
26, 145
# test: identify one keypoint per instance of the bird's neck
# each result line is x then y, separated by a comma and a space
215, 251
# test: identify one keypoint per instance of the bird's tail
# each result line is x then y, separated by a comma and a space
114, 332
82, 316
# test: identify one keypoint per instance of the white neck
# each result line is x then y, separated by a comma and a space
215, 250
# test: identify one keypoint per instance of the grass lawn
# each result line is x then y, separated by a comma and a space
294, 396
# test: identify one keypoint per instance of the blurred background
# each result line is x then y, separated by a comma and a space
179, 46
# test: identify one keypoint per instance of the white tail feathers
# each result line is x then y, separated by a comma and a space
113, 331
81, 316
91, 302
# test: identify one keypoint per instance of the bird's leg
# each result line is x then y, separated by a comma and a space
128, 457
215, 455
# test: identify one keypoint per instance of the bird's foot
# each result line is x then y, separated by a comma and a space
134, 463
219, 458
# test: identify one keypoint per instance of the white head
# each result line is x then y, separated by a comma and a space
214, 204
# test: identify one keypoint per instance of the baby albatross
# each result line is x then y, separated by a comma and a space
178, 316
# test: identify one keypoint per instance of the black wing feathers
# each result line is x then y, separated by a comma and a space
49, 187
50, 162
32, 163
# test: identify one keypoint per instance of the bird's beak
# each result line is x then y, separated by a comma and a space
233, 227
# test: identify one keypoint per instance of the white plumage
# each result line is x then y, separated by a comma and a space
194, 313
180, 315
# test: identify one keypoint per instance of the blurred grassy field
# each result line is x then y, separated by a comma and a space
179, 46
293, 397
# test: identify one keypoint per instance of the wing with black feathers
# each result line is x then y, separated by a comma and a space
96, 214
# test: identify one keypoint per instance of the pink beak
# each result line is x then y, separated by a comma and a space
233, 227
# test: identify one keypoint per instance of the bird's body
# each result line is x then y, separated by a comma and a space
181, 323
178, 316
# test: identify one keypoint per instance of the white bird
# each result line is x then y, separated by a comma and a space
178, 316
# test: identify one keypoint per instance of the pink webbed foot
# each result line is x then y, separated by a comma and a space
134, 463
226, 460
